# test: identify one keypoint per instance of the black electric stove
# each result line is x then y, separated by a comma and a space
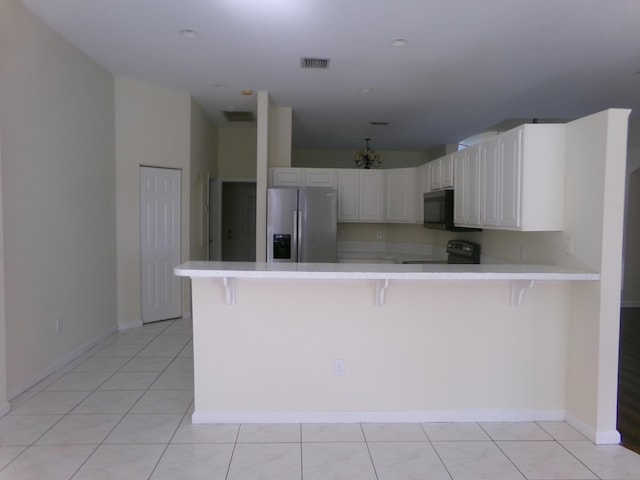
458, 252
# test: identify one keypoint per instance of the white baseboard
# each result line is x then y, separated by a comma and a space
598, 437
379, 417
41, 375
630, 304
130, 325
4, 408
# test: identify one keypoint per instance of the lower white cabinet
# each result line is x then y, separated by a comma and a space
400, 201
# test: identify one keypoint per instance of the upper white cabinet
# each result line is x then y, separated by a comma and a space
348, 193
400, 196
360, 195
423, 185
285, 177
371, 196
319, 178
531, 179
467, 206
442, 173
516, 179
303, 177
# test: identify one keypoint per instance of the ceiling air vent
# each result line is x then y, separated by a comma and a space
308, 62
234, 116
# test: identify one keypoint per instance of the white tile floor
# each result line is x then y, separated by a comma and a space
123, 410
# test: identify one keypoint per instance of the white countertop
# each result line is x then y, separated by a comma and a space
380, 271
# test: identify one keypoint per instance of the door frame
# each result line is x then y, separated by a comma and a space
218, 208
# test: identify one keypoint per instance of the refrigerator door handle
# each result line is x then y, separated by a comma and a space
296, 238
298, 226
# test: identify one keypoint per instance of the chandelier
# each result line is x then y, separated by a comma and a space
367, 158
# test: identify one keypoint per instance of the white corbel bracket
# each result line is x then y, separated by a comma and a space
229, 290
381, 290
518, 287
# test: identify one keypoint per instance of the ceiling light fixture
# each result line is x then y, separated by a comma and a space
398, 42
367, 158
186, 33
366, 90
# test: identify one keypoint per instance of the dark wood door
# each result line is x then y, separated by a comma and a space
629, 379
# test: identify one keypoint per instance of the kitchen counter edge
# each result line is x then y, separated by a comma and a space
363, 271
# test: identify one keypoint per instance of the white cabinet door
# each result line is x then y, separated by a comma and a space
472, 186
446, 172
319, 178
423, 185
285, 177
461, 177
348, 195
490, 188
436, 174
511, 179
371, 198
400, 195
442, 173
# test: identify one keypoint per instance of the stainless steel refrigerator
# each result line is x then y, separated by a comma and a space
302, 224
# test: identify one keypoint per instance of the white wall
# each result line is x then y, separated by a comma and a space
204, 153
154, 128
58, 188
4, 405
326, 158
237, 153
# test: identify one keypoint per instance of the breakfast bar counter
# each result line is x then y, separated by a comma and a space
380, 342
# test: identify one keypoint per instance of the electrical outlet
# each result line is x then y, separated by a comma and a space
523, 253
338, 366
379, 235
568, 247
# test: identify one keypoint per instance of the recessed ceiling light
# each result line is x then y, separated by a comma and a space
398, 42
220, 85
230, 108
186, 33
366, 90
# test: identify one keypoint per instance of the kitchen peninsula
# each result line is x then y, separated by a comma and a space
417, 342
384, 342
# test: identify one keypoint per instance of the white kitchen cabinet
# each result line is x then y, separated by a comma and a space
371, 196
285, 177
490, 187
348, 195
467, 205
400, 195
442, 173
360, 195
319, 178
423, 185
521, 180
303, 177
531, 178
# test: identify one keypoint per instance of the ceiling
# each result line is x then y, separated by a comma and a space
467, 64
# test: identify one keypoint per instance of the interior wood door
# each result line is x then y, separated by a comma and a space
160, 233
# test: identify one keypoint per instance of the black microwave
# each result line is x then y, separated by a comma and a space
438, 212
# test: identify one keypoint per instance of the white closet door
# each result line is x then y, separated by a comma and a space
159, 243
